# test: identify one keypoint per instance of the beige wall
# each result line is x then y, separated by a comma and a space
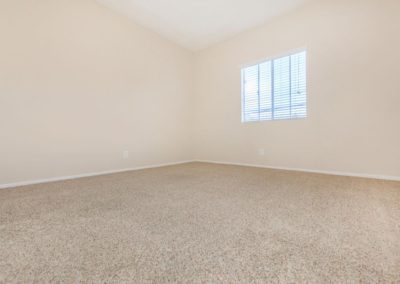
353, 84
80, 84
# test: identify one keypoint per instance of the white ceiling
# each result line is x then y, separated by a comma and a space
197, 24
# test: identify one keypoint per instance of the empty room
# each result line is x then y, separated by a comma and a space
188, 141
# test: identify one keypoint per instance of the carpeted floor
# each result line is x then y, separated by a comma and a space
202, 223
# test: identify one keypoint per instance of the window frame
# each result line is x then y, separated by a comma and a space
261, 61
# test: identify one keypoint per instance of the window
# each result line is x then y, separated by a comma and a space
275, 89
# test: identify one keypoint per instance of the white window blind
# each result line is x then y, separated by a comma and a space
275, 89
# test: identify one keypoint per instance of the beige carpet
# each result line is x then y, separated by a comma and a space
202, 223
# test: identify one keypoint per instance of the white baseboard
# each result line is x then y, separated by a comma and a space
38, 181
336, 173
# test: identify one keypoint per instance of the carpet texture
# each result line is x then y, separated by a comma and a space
202, 223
